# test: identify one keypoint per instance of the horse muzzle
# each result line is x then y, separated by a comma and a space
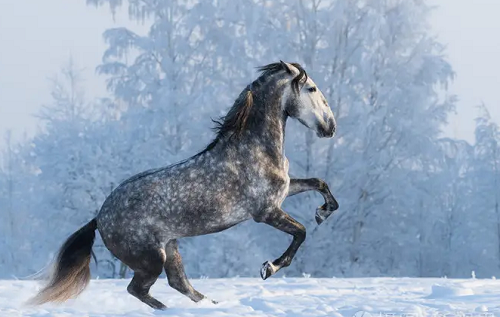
327, 130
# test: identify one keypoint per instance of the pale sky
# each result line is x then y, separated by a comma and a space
37, 37
471, 31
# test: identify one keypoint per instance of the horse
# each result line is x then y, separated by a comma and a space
241, 175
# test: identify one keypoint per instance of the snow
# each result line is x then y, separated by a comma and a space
293, 297
440, 291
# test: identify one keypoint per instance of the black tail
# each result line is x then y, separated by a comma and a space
71, 271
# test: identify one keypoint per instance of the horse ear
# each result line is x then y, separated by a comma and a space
285, 66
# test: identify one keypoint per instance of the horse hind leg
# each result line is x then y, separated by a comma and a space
146, 276
175, 273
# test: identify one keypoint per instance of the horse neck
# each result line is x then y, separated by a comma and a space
266, 128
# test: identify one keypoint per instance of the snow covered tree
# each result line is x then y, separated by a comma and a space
62, 175
9, 222
411, 202
17, 202
389, 122
379, 68
484, 214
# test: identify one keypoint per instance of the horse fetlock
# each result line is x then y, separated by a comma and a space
329, 206
197, 296
144, 296
180, 288
285, 262
332, 205
136, 291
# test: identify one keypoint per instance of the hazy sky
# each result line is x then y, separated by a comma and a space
36, 37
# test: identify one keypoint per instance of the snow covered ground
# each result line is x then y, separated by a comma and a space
364, 297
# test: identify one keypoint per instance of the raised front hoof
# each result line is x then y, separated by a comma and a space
267, 270
324, 211
319, 219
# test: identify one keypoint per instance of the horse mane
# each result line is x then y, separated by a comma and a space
236, 119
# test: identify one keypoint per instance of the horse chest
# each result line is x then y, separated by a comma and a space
283, 192
269, 184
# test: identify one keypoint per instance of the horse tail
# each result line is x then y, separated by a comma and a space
71, 272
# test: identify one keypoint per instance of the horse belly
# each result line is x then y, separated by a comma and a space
211, 219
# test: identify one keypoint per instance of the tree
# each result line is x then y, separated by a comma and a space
10, 222
412, 202
485, 223
388, 129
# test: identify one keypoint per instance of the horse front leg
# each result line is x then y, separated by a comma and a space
298, 185
282, 221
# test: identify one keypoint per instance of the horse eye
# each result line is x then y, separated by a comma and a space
312, 89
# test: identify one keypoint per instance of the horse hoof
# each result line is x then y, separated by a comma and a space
267, 270
319, 219
324, 211
160, 307
205, 299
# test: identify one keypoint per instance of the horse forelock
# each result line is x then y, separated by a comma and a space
300, 79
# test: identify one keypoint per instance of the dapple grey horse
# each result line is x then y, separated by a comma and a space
241, 175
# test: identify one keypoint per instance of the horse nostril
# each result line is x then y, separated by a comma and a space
333, 126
